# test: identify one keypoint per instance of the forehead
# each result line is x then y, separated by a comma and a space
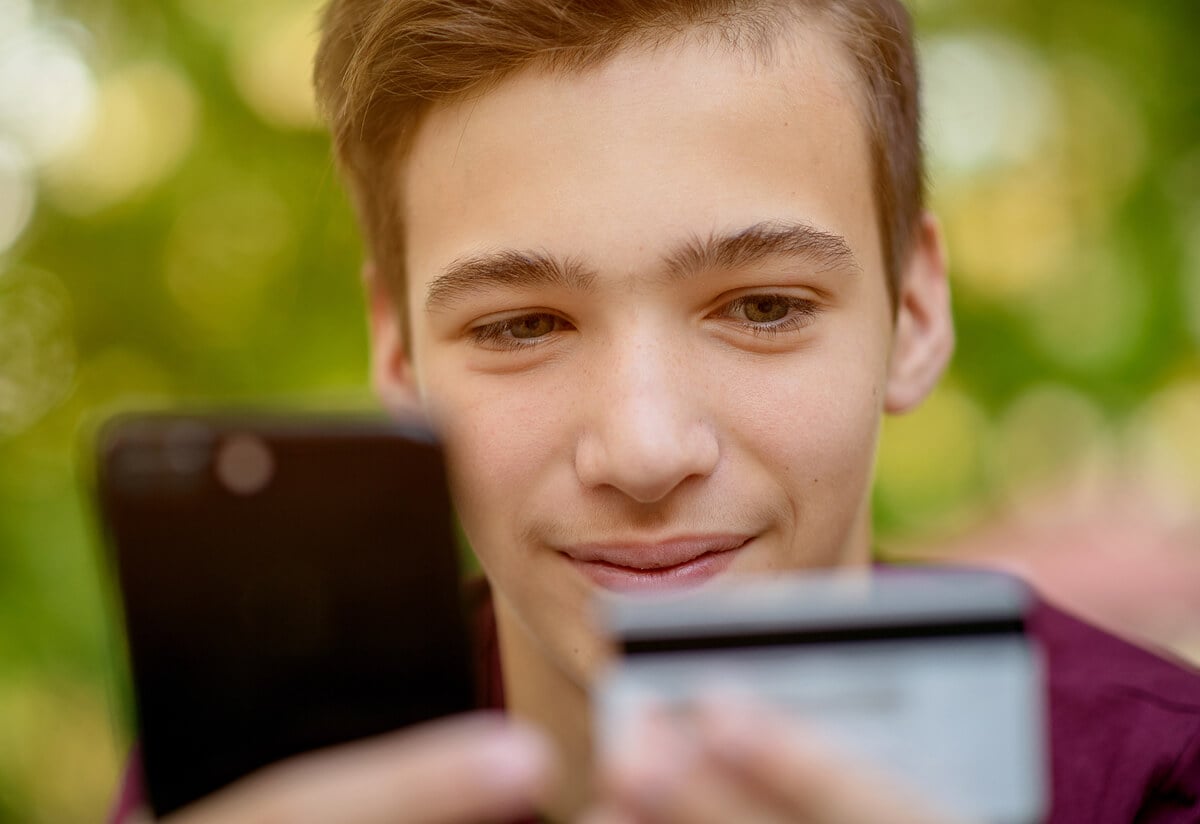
617, 161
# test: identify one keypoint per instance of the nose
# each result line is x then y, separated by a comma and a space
647, 431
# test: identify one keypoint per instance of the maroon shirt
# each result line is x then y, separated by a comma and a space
1124, 728
1124, 725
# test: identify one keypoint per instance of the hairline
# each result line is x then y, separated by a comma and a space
757, 31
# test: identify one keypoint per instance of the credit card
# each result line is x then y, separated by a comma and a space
927, 674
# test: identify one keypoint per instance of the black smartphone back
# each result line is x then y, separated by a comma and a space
288, 584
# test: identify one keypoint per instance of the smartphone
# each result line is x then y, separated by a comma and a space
927, 675
288, 583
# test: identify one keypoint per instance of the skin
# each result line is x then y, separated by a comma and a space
647, 407
642, 408
416, 776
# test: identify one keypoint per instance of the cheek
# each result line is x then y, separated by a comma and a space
813, 427
502, 436
826, 442
508, 445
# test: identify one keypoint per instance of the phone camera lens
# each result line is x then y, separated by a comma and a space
245, 464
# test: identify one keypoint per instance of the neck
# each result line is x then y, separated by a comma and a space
540, 693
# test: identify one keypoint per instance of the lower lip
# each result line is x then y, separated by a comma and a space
687, 575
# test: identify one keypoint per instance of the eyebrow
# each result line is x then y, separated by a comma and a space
513, 269
771, 238
505, 269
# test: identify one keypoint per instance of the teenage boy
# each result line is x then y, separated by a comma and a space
656, 268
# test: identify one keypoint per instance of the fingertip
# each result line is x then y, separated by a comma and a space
732, 724
654, 763
515, 757
606, 815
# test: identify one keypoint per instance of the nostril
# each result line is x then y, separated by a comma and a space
649, 467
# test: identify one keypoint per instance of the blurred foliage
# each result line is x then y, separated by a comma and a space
171, 228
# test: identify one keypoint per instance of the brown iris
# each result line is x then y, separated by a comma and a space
765, 309
532, 326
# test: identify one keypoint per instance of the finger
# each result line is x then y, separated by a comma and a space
803, 773
472, 768
710, 794
662, 776
609, 813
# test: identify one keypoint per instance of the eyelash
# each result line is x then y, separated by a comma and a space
495, 334
800, 313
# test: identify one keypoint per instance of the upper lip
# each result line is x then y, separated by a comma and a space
648, 555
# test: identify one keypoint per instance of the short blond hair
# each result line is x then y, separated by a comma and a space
382, 63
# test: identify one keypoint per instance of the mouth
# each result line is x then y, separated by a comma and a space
681, 563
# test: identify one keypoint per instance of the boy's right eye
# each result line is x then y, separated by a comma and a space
521, 330
532, 326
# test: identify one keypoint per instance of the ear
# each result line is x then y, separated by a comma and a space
392, 375
924, 337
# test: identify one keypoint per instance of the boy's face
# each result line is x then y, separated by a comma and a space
649, 313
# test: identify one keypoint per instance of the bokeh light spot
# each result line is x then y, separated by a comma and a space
1103, 147
931, 459
1190, 224
224, 16
1029, 208
37, 350
1165, 438
1090, 316
47, 94
1049, 433
1010, 234
58, 741
17, 194
15, 15
989, 103
145, 125
270, 63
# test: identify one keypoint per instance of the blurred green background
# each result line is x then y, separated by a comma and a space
171, 228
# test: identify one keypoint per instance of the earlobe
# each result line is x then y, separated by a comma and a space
924, 336
391, 369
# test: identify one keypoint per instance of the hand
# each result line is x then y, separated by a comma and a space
475, 768
733, 760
